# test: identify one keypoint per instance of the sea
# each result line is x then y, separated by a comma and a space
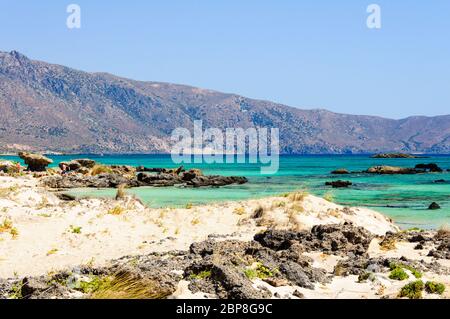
404, 198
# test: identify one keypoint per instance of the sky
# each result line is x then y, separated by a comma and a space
306, 54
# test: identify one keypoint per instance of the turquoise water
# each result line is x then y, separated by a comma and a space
407, 196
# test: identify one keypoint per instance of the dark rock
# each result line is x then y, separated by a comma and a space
85, 162
298, 294
35, 162
339, 239
439, 181
66, 197
295, 273
191, 174
104, 180
434, 206
431, 167
339, 184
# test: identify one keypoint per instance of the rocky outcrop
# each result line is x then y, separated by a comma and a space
434, 206
191, 178
339, 184
337, 239
124, 175
77, 164
227, 268
35, 162
390, 170
419, 168
104, 180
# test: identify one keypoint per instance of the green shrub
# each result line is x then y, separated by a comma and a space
414, 271
398, 274
260, 271
413, 290
201, 275
433, 287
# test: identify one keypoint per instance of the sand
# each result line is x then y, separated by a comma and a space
54, 234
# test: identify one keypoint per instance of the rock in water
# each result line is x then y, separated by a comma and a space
339, 184
431, 167
35, 162
394, 155
391, 170
434, 206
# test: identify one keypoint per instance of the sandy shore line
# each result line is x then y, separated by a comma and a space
51, 234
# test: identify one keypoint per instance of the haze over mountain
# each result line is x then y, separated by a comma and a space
47, 107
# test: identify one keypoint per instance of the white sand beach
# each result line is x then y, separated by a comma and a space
51, 234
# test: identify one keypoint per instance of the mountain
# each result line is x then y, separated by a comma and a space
53, 108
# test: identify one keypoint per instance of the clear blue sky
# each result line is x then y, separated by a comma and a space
308, 54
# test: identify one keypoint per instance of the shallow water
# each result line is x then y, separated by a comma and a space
407, 196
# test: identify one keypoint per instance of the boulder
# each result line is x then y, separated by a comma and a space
434, 206
35, 162
340, 171
71, 166
85, 162
339, 184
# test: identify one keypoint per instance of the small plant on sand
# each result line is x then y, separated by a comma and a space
398, 274
188, 205
329, 197
394, 266
116, 210
121, 194
16, 291
5, 192
433, 287
43, 203
52, 251
443, 232
100, 169
201, 275
297, 208
123, 285
297, 196
388, 243
7, 227
195, 221
413, 290
239, 210
75, 229
260, 271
